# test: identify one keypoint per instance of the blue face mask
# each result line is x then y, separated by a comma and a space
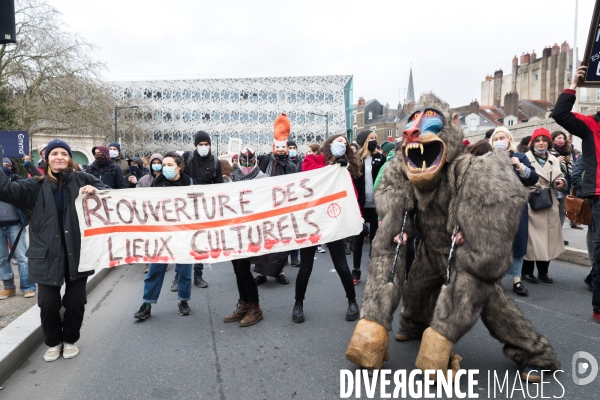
132, 168
156, 167
338, 149
7, 171
540, 151
293, 153
169, 172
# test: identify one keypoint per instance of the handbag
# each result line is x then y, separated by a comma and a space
578, 210
541, 199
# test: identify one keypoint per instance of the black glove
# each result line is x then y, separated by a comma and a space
342, 162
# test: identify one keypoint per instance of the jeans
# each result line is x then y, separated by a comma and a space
198, 268
9, 234
515, 268
370, 216
156, 275
337, 252
294, 254
596, 268
56, 329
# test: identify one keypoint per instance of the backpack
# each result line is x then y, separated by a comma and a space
190, 158
25, 218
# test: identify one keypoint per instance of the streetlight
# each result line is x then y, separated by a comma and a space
326, 115
116, 110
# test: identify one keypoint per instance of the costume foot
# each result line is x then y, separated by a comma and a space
368, 345
531, 374
435, 353
402, 336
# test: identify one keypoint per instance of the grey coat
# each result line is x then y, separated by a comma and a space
46, 256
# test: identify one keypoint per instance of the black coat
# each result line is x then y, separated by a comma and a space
203, 170
520, 241
139, 173
45, 254
377, 162
112, 176
285, 167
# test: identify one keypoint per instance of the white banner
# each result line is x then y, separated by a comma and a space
215, 223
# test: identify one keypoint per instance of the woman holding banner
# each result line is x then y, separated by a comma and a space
248, 311
335, 150
55, 243
172, 175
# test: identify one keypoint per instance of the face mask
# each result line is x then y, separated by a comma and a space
500, 145
372, 145
540, 151
338, 149
113, 153
559, 142
203, 150
293, 153
7, 171
156, 167
281, 157
247, 170
169, 172
132, 168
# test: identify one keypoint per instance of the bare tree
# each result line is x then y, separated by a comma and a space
54, 76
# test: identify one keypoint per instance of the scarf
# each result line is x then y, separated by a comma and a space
563, 151
239, 176
272, 162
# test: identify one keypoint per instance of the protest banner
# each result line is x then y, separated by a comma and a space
215, 223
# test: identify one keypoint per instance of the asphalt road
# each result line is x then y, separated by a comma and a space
200, 357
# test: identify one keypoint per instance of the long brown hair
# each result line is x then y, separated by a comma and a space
226, 168
50, 175
354, 164
364, 152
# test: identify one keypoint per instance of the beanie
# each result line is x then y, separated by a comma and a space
281, 128
387, 146
115, 144
53, 144
361, 138
201, 136
292, 143
540, 132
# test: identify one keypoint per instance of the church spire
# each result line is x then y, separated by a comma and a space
410, 94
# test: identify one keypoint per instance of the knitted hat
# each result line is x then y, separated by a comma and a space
466, 142
540, 132
281, 128
201, 136
6, 160
292, 143
102, 149
387, 146
53, 144
115, 144
361, 138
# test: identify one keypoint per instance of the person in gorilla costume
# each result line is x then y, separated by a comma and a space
432, 178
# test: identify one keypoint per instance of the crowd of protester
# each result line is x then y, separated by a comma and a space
541, 161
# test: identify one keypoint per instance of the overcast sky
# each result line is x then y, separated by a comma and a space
452, 45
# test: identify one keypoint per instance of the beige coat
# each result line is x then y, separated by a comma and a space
545, 240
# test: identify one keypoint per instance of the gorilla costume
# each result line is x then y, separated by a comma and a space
433, 180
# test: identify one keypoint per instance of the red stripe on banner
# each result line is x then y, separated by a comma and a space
213, 224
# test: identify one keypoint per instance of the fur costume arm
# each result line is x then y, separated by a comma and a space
489, 205
394, 197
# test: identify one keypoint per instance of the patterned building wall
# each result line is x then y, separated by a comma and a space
238, 108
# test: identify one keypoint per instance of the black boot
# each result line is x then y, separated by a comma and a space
353, 310
298, 313
588, 282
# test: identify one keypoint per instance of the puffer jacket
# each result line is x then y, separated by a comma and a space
47, 259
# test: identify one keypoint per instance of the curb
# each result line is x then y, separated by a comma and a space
575, 256
22, 336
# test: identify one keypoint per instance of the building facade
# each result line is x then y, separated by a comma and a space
240, 108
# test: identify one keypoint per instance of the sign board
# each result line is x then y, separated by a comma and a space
216, 223
235, 146
592, 51
15, 143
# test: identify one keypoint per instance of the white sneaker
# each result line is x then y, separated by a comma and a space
320, 249
53, 353
70, 350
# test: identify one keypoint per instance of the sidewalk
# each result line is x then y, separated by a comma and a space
576, 250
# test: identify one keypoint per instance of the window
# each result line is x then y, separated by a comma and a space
389, 133
584, 95
536, 77
397, 132
510, 122
370, 115
354, 116
597, 94
472, 124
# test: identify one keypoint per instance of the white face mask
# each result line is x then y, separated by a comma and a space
113, 153
500, 145
203, 150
